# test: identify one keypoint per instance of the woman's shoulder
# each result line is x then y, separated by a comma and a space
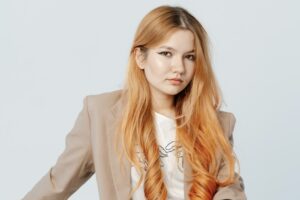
104, 100
225, 115
227, 121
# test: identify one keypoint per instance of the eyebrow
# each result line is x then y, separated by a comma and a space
171, 48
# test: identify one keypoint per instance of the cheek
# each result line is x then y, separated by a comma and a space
158, 67
190, 65
191, 72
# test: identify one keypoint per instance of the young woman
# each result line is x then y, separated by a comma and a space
163, 136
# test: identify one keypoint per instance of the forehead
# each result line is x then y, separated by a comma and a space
179, 41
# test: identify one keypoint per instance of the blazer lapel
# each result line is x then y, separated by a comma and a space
122, 177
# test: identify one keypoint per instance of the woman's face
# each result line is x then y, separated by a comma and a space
169, 66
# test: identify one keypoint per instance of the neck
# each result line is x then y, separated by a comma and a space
163, 104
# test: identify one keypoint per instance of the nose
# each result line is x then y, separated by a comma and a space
178, 65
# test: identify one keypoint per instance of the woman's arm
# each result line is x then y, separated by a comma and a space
235, 191
73, 167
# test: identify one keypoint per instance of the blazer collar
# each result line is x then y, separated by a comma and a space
122, 176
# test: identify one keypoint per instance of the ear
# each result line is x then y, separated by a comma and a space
138, 54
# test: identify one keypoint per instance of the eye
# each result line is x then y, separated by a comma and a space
165, 53
191, 57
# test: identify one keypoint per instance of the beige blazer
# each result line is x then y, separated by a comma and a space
89, 150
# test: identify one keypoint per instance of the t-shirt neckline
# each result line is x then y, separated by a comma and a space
163, 116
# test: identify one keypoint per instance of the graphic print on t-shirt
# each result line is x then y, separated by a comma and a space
170, 147
164, 152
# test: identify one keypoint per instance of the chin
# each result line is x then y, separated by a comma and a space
173, 92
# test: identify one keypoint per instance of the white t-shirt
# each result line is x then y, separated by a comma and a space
173, 171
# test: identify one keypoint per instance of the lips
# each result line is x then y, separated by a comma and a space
175, 81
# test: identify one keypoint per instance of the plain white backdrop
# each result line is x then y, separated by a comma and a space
54, 53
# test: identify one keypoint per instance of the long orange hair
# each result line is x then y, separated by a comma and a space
198, 129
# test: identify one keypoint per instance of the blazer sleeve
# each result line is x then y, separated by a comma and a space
73, 167
235, 191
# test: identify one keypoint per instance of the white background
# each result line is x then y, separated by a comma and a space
54, 53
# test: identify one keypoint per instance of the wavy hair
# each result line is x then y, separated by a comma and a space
198, 128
